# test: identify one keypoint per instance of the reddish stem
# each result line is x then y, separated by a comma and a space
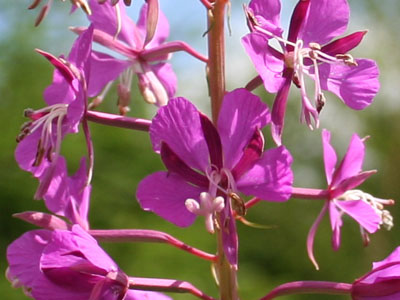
305, 193
309, 287
166, 285
170, 47
118, 121
152, 236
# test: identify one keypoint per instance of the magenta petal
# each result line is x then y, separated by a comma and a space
77, 247
279, 109
24, 254
355, 85
25, 154
393, 257
104, 18
267, 61
229, 235
326, 19
345, 44
251, 154
175, 165
336, 224
167, 77
351, 164
69, 196
362, 212
60, 91
178, 125
162, 29
350, 183
165, 194
81, 50
330, 158
241, 114
271, 177
104, 69
267, 13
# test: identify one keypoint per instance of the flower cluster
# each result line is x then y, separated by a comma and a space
216, 168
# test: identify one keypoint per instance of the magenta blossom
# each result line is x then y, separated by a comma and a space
382, 282
39, 143
116, 31
364, 208
69, 196
309, 52
66, 265
206, 163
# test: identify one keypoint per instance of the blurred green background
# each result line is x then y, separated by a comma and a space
267, 257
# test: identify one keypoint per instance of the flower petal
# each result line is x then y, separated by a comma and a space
178, 125
325, 20
165, 194
362, 212
271, 177
25, 154
104, 18
330, 158
356, 86
104, 68
240, 115
344, 44
351, 163
267, 13
69, 196
167, 77
267, 61
24, 254
162, 29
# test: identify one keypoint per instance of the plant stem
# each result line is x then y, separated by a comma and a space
216, 56
118, 121
152, 236
166, 285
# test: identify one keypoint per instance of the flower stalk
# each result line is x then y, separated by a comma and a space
118, 121
152, 236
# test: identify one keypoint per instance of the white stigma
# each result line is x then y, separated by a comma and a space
207, 207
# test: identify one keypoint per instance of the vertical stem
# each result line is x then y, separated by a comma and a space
216, 55
226, 273
216, 82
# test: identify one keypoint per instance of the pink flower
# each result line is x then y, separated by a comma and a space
207, 162
364, 208
39, 143
382, 282
116, 31
309, 52
67, 265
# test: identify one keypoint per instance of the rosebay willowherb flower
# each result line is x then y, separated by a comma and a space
310, 52
219, 160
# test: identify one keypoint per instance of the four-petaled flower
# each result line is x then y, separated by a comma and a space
365, 209
39, 143
116, 31
382, 282
309, 51
63, 264
221, 160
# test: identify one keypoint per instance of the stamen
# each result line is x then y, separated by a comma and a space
43, 119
